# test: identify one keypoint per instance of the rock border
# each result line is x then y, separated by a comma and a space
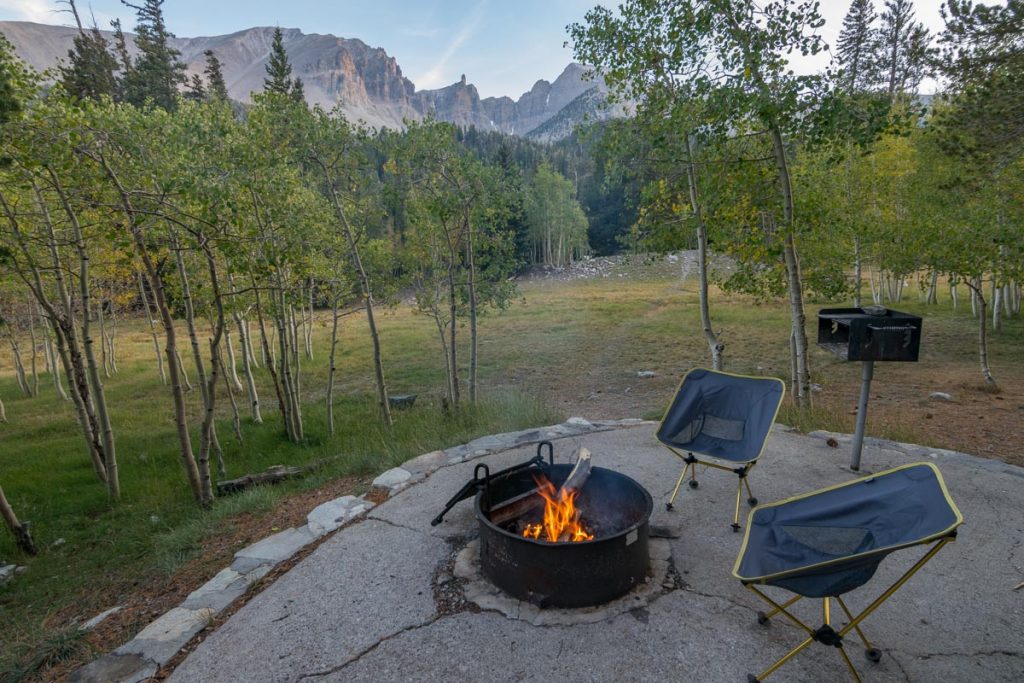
141, 657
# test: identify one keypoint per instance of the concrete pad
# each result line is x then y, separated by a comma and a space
366, 583
361, 607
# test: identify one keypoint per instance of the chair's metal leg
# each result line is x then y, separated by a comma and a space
867, 644
788, 656
866, 612
675, 491
736, 515
763, 617
849, 664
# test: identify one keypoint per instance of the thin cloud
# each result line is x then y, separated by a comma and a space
39, 11
434, 76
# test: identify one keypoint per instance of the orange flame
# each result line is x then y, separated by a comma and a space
561, 516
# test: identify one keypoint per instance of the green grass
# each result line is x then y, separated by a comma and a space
540, 361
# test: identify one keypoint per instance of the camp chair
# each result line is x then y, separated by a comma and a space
723, 416
829, 542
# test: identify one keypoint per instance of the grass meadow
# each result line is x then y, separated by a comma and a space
564, 347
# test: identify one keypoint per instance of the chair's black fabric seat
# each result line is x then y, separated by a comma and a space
721, 415
828, 542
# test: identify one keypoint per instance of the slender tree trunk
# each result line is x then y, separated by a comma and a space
184, 372
152, 328
715, 347
250, 381
22, 537
364, 283
33, 340
236, 421
19, 366
802, 393
974, 299
3, 411
246, 333
265, 346
997, 305
954, 295
856, 272
331, 369
473, 331
986, 372
232, 374
100, 318
452, 351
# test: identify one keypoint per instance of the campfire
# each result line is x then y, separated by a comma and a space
561, 522
559, 535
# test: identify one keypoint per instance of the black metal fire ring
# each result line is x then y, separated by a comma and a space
570, 574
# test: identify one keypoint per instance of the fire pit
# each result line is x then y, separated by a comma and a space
601, 560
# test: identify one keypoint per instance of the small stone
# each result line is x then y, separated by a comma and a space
154, 519
940, 396
7, 572
832, 442
815, 387
646, 373
58, 542
328, 516
578, 422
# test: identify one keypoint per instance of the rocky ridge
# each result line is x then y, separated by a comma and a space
365, 81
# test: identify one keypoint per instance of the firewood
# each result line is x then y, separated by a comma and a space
517, 506
578, 476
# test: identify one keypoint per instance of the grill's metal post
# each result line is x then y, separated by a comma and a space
862, 412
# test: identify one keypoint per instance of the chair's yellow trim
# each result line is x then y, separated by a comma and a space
750, 518
764, 443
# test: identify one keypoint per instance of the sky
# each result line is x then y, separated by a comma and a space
502, 46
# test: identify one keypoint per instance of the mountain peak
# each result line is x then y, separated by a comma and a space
365, 81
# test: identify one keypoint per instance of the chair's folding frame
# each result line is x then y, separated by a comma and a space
826, 634
741, 468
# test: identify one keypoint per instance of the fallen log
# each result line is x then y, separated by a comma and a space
273, 475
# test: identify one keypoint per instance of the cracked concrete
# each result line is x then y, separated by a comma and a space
362, 606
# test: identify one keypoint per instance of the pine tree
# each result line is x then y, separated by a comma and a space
157, 73
90, 72
903, 48
279, 70
218, 89
854, 45
297, 92
196, 90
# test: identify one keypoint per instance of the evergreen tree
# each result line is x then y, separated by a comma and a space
218, 89
157, 73
279, 71
903, 48
90, 71
196, 90
297, 92
10, 105
854, 45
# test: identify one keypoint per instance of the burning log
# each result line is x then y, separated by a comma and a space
525, 503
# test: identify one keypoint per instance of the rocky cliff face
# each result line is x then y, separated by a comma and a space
364, 81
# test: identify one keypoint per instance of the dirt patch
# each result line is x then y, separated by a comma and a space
152, 595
